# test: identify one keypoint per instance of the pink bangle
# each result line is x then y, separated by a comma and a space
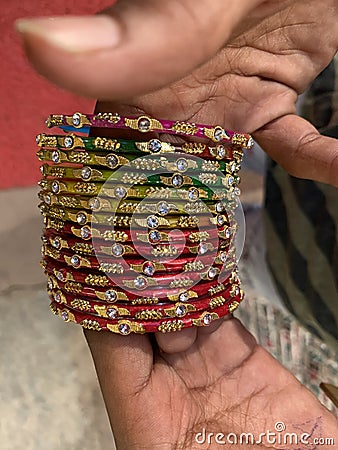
145, 124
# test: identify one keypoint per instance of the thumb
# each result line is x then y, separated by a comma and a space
135, 47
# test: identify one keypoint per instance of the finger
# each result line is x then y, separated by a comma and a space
299, 148
122, 362
135, 47
176, 342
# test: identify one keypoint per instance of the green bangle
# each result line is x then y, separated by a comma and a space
153, 146
169, 162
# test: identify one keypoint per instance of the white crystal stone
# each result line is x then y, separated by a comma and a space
220, 207
203, 248
85, 232
124, 328
154, 145
76, 119
182, 164
56, 156
81, 218
181, 311
50, 284
55, 187
207, 319
47, 199
60, 276
94, 204
193, 194
117, 250
140, 282
120, 192
111, 161
212, 272
220, 220
227, 233
183, 297
75, 261
86, 173
64, 316
177, 180
154, 236
221, 152
56, 242
223, 257
143, 124
57, 297
149, 269
152, 222
218, 134
68, 142
163, 208
112, 313
110, 296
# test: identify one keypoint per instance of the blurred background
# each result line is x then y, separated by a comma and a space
49, 393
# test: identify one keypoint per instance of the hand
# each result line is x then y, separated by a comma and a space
223, 383
240, 64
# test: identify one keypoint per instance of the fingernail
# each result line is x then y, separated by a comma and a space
74, 33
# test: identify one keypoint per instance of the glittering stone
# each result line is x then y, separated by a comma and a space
207, 319
111, 161
64, 316
221, 152
140, 282
163, 208
57, 297
182, 164
76, 119
223, 257
55, 187
110, 296
220, 207
232, 166
81, 218
56, 156
177, 180
94, 204
149, 269
219, 134
48, 199
143, 124
250, 143
112, 313
152, 221
193, 194
237, 191
68, 141
56, 242
220, 220
42, 169
50, 284
124, 328
183, 297
86, 173
212, 272
60, 276
154, 145
203, 248
227, 233
120, 192
181, 311
154, 236
117, 250
85, 233
75, 261
237, 290
230, 181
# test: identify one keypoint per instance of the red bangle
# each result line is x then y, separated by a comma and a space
125, 327
158, 311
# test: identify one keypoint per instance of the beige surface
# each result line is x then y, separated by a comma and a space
49, 394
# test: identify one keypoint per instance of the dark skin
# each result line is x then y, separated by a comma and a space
161, 390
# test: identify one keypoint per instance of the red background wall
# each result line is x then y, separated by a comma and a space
25, 98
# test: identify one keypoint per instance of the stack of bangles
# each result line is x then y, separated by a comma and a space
140, 234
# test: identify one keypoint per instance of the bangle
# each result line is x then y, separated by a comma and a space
113, 161
177, 180
125, 327
150, 297
153, 146
97, 204
145, 124
158, 311
139, 192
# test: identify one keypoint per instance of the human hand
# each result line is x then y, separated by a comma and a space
240, 64
223, 383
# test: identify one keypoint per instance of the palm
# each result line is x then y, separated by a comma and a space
224, 383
